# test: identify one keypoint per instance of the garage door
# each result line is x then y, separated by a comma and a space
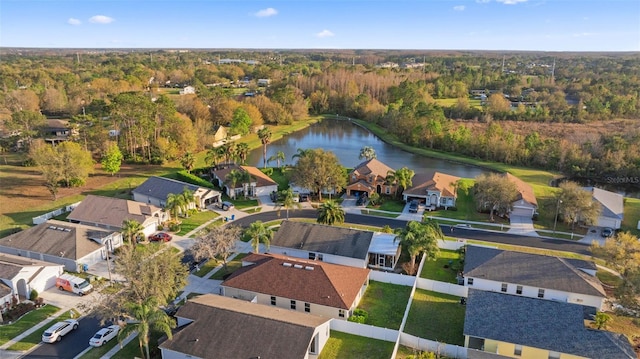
608, 222
522, 211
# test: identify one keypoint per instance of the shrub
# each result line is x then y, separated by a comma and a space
357, 319
33, 295
453, 208
268, 171
361, 313
174, 227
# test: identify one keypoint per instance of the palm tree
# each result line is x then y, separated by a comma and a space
390, 180
403, 178
187, 199
279, 156
287, 201
234, 177
367, 153
330, 212
417, 237
175, 204
258, 233
188, 161
242, 151
132, 229
147, 315
302, 152
229, 150
214, 155
265, 137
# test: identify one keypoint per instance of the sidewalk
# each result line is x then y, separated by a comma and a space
31, 330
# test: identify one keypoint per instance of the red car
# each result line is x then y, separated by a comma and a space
162, 237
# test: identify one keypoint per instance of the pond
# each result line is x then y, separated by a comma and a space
345, 139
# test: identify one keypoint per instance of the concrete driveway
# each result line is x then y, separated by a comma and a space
523, 226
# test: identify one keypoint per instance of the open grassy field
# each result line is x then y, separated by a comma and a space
448, 102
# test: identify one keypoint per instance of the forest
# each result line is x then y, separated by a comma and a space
575, 113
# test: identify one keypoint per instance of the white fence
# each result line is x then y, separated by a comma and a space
392, 278
442, 287
449, 350
43, 218
365, 330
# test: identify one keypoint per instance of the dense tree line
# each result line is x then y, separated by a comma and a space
121, 92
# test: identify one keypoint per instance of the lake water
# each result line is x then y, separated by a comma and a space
345, 139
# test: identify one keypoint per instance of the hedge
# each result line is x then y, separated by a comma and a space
184, 176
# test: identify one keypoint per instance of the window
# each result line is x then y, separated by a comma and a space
517, 350
470, 281
504, 287
319, 256
540, 293
307, 307
312, 256
387, 190
519, 289
273, 300
554, 355
341, 313
293, 304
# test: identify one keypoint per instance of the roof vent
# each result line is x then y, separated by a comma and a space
67, 230
60, 229
297, 266
308, 268
52, 227
286, 264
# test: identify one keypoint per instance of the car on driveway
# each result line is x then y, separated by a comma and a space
104, 335
362, 200
606, 232
160, 237
226, 205
413, 206
58, 330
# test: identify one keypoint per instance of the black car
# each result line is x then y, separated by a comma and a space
606, 232
362, 200
413, 207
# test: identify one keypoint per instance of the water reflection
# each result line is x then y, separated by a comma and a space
345, 139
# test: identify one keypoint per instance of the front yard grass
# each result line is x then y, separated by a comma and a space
97, 353
35, 338
389, 204
385, 304
379, 214
232, 266
436, 316
10, 331
344, 345
195, 221
207, 267
436, 270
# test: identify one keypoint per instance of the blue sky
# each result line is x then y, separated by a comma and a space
539, 25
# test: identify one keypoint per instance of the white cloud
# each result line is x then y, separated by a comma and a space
482, 1
511, 2
325, 33
458, 8
101, 19
266, 12
73, 21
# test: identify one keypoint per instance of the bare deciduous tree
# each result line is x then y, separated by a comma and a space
219, 242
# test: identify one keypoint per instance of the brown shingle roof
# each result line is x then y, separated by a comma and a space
433, 181
61, 239
230, 328
326, 284
525, 191
372, 166
111, 211
260, 178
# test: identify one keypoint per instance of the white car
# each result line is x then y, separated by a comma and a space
58, 330
104, 335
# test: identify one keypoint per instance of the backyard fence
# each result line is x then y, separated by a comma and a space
442, 287
448, 350
365, 330
43, 218
392, 278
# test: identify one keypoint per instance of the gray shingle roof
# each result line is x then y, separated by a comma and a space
531, 270
230, 328
612, 203
539, 323
160, 187
57, 238
111, 211
323, 239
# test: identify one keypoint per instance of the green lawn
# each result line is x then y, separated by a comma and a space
385, 304
232, 266
207, 267
27, 321
631, 215
391, 205
379, 214
448, 102
436, 269
97, 353
35, 338
343, 345
196, 220
436, 316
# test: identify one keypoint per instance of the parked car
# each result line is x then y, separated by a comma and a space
362, 200
160, 237
73, 284
413, 206
606, 232
58, 330
226, 205
104, 335
304, 198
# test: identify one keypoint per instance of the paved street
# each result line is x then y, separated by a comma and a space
71, 344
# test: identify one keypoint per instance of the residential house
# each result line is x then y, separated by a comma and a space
434, 189
72, 245
19, 276
526, 204
221, 134
109, 212
155, 191
370, 177
533, 275
188, 90
612, 205
337, 245
305, 286
520, 327
57, 131
212, 326
264, 82
259, 184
